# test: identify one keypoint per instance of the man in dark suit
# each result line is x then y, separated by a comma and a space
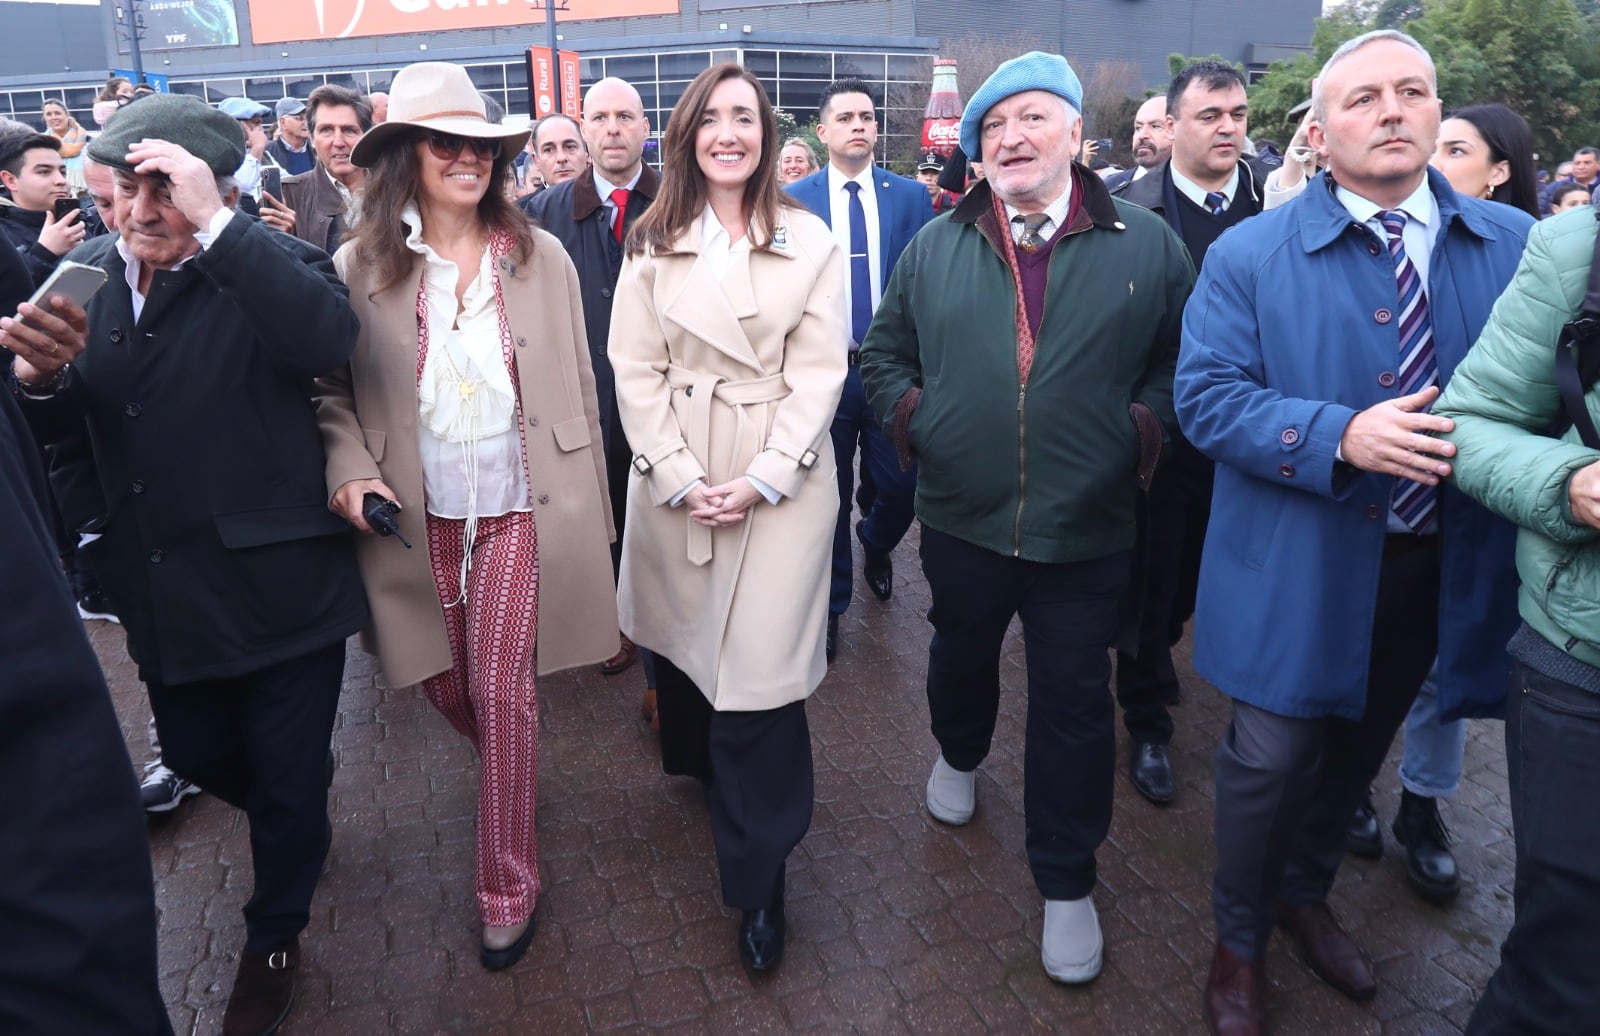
198, 473
76, 900
874, 214
591, 214
1205, 187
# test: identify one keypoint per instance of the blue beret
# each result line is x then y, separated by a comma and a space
242, 108
1034, 70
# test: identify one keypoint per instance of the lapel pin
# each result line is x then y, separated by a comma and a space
780, 237
886, 183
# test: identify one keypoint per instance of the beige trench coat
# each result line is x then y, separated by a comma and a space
368, 415
717, 378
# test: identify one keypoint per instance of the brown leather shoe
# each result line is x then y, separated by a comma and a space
263, 991
1329, 951
619, 662
1236, 996
647, 709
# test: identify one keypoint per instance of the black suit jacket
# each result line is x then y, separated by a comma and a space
574, 213
188, 440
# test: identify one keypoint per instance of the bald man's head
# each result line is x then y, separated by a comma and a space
615, 128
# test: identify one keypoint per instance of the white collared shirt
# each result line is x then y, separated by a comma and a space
1422, 223
717, 247
1055, 213
131, 266
839, 222
604, 187
471, 446
1197, 194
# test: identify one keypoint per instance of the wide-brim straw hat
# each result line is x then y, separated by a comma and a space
434, 95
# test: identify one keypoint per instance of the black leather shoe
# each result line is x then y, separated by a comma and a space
878, 569
1365, 838
263, 991
1430, 867
761, 935
832, 644
501, 959
1151, 772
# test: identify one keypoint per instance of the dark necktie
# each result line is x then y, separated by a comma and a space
860, 271
1413, 502
619, 198
1032, 238
1216, 201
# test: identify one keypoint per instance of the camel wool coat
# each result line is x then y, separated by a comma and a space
369, 427
719, 377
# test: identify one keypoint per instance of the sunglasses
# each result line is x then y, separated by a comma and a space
447, 147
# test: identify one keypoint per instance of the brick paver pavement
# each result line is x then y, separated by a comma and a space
896, 923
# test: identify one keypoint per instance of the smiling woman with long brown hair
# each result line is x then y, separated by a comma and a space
728, 344
470, 403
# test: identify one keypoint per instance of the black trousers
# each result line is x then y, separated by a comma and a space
1069, 618
260, 742
1286, 786
1545, 985
756, 767
1180, 509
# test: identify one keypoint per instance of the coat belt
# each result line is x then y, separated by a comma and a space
701, 387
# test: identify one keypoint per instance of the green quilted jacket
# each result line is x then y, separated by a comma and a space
1503, 399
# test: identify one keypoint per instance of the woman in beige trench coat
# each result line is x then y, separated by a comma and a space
728, 344
470, 401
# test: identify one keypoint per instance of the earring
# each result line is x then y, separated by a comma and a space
1491, 192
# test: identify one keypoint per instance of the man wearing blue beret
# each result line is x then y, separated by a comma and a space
1023, 356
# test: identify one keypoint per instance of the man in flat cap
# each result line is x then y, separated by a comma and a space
185, 447
1023, 354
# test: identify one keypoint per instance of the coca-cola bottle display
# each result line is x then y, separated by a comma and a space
941, 120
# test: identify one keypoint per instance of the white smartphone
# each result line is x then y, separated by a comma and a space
75, 281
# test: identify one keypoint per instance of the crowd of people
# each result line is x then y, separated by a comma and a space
541, 406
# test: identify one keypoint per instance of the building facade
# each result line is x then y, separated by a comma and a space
266, 49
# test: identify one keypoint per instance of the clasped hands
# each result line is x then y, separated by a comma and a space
722, 505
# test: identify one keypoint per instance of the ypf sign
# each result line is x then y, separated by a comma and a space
284, 21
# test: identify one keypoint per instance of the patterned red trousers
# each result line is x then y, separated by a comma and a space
488, 695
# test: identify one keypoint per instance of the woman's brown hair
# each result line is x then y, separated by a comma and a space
682, 197
393, 182
109, 91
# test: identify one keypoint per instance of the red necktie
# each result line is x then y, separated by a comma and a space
619, 198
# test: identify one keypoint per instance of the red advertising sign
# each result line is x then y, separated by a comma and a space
542, 86
283, 21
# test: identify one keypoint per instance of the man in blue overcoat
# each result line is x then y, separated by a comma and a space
1337, 564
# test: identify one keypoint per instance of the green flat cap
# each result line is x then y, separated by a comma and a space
188, 122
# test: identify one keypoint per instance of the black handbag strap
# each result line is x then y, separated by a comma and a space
1577, 368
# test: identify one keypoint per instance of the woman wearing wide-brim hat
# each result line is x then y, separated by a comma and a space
470, 402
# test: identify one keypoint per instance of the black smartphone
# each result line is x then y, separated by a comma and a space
272, 182
1103, 144
65, 207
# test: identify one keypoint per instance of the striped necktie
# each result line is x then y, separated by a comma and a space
1413, 502
1216, 202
